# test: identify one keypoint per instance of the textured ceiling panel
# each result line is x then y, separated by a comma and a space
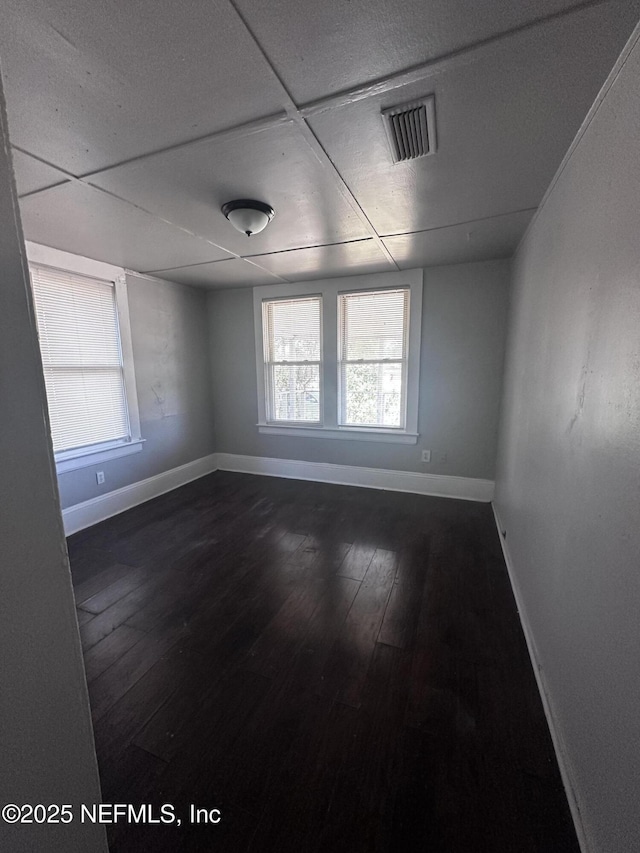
90, 84
88, 222
188, 186
473, 241
357, 258
503, 122
331, 45
232, 273
33, 175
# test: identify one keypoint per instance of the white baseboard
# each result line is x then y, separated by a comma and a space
97, 509
556, 737
465, 488
90, 512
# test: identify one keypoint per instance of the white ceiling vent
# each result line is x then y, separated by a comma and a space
411, 129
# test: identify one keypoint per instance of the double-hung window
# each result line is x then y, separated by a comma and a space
292, 359
80, 312
340, 358
373, 335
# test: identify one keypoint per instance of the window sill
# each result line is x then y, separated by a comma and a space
85, 457
341, 433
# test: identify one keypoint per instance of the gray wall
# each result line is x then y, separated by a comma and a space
568, 489
171, 354
464, 318
47, 741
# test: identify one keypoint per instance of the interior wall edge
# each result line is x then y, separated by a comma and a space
566, 476
561, 752
588, 119
48, 753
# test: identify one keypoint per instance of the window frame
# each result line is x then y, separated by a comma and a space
343, 360
268, 389
329, 290
93, 454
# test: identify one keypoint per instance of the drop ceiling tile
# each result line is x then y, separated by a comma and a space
503, 123
358, 258
231, 273
189, 186
91, 84
457, 244
32, 174
331, 46
88, 222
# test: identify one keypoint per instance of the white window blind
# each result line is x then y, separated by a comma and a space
372, 364
293, 358
80, 344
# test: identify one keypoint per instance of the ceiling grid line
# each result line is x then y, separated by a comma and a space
458, 224
387, 83
314, 144
86, 183
249, 258
465, 55
238, 131
512, 84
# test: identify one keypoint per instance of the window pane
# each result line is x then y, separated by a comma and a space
373, 350
85, 406
80, 345
296, 392
292, 333
372, 394
374, 325
293, 329
77, 319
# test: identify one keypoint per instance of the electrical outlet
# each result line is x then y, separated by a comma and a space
426, 456
100, 477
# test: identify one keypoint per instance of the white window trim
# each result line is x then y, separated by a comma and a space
83, 457
329, 290
71, 460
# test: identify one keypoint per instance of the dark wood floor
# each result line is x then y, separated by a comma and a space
335, 669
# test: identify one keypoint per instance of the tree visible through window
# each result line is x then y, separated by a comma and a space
293, 359
373, 334
340, 358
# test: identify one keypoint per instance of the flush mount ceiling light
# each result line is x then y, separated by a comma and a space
247, 215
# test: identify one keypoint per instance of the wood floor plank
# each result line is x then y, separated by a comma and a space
83, 617
308, 663
107, 621
276, 645
115, 730
212, 716
97, 582
403, 608
105, 653
304, 794
131, 779
122, 675
335, 668
113, 592
87, 560
357, 561
363, 801
346, 669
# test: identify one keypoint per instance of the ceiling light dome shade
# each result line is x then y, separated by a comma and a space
248, 216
